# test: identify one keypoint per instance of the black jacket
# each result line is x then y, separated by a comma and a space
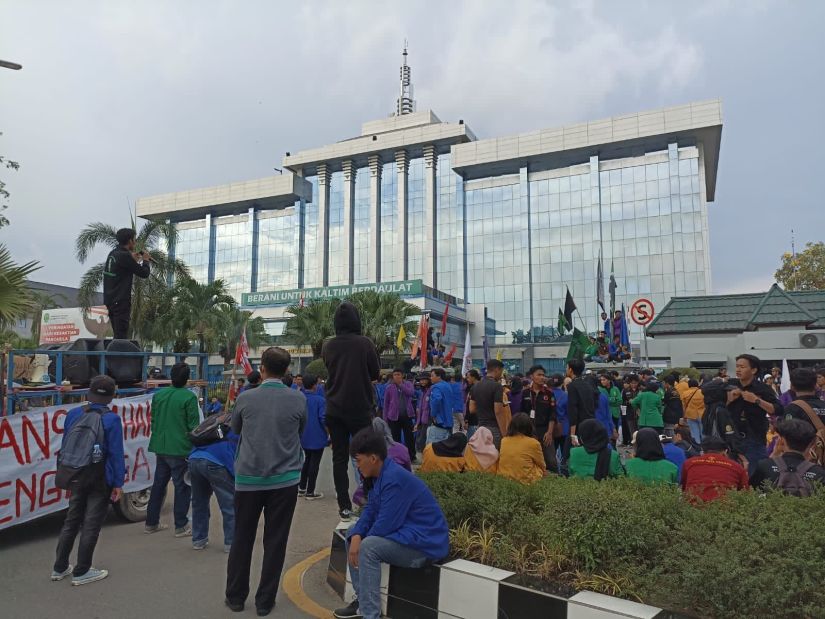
118, 273
749, 419
581, 401
352, 363
767, 471
673, 409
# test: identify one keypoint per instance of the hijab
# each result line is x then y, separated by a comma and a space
648, 445
380, 426
483, 447
593, 437
452, 447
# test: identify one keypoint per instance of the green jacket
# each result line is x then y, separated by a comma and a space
583, 464
649, 405
614, 397
175, 413
651, 471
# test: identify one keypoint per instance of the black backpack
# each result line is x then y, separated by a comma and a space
76, 466
211, 430
792, 479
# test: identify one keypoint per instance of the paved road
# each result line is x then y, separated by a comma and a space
154, 576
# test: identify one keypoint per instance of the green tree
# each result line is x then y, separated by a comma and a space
152, 237
201, 312
318, 368
15, 296
311, 324
41, 300
4, 194
382, 315
234, 320
805, 271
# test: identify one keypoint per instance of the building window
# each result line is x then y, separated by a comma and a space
192, 248
338, 262
362, 240
277, 258
233, 253
312, 254
391, 267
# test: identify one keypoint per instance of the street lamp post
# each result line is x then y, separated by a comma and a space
10, 65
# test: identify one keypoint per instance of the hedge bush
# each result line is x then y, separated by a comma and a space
317, 367
748, 555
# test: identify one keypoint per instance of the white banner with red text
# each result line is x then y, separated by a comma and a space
29, 443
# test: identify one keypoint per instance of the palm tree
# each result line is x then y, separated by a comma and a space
42, 300
151, 237
201, 312
382, 315
15, 296
311, 324
235, 319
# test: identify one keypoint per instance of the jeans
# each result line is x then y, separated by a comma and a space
309, 472
208, 477
458, 421
558, 445
403, 426
278, 507
366, 578
695, 426
340, 431
87, 511
436, 434
754, 452
470, 431
168, 467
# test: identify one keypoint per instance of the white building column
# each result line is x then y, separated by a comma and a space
349, 199
402, 160
375, 218
324, 175
430, 221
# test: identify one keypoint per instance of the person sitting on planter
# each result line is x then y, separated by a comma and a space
593, 456
709, 476
481, 454
650, 465
402, 525
445, 456
521, 458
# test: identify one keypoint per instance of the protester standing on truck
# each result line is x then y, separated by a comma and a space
101, 481
122, 264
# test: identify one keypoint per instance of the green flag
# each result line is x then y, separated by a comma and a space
578, 345
563, 326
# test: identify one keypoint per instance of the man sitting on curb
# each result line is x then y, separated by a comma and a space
402, 524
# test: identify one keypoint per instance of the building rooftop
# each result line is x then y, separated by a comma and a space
736, 313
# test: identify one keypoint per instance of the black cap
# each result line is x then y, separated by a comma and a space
102, 388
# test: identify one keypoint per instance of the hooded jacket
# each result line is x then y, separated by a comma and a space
352, 363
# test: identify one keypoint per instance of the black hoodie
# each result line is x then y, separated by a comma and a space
352, 363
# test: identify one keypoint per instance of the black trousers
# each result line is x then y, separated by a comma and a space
341, 429
87, 511
628, 427
404, 425
119, 315
309, 472
278, 507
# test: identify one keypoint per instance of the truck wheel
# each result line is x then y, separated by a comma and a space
132, 506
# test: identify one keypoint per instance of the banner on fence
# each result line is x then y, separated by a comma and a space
30, 441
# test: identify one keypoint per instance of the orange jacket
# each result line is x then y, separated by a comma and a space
694, 403
521, 459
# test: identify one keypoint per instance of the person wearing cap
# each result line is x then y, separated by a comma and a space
709, 476
89, 504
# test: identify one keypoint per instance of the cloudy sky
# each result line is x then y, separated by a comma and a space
119, 100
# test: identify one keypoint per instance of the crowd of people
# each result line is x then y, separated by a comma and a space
708, 436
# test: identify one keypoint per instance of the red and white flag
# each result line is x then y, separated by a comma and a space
449, 356
417, 341
242, 354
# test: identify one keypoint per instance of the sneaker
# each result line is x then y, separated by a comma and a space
227, 548
314, 496
200, 545
184, 531
348, 612
154, 529
302, 491
61, 575
263, 612
235, 607
92, 575
345, 514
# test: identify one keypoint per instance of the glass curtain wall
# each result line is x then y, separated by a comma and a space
362, 239
391, 267
416, 221
449, 230
312, 251
338, 262
233, 253
277, 258
192, 248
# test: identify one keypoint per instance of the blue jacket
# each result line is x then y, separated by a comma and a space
561, 410
390, 401
314, 435
380, 391
603, 414
441, 405
113, 437
458, 397
676, 455
401, 508
214, 409
221, 453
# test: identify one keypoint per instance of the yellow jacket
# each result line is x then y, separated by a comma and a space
472, 463
681, 387
694, 403
432, 463
521, 459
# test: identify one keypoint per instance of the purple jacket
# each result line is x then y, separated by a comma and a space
391, 396
789, 396
423, 416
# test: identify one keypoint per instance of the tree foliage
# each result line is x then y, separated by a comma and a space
4, 194
15, 295
201, 312
234, 320
805, 271
310, 324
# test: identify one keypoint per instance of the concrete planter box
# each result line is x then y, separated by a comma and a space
468, 590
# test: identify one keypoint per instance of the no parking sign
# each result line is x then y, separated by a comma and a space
642, 312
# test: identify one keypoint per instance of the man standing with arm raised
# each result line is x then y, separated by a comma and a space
122, 264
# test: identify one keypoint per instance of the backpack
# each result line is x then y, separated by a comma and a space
792, 480
211, 430
76, 467
817, 453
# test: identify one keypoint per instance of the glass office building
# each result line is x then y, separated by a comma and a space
508, 223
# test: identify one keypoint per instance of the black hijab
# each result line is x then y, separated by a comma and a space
593, 437
452, 447
648, 445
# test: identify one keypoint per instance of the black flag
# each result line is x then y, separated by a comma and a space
569, 308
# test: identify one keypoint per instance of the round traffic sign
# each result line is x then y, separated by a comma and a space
642, 312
